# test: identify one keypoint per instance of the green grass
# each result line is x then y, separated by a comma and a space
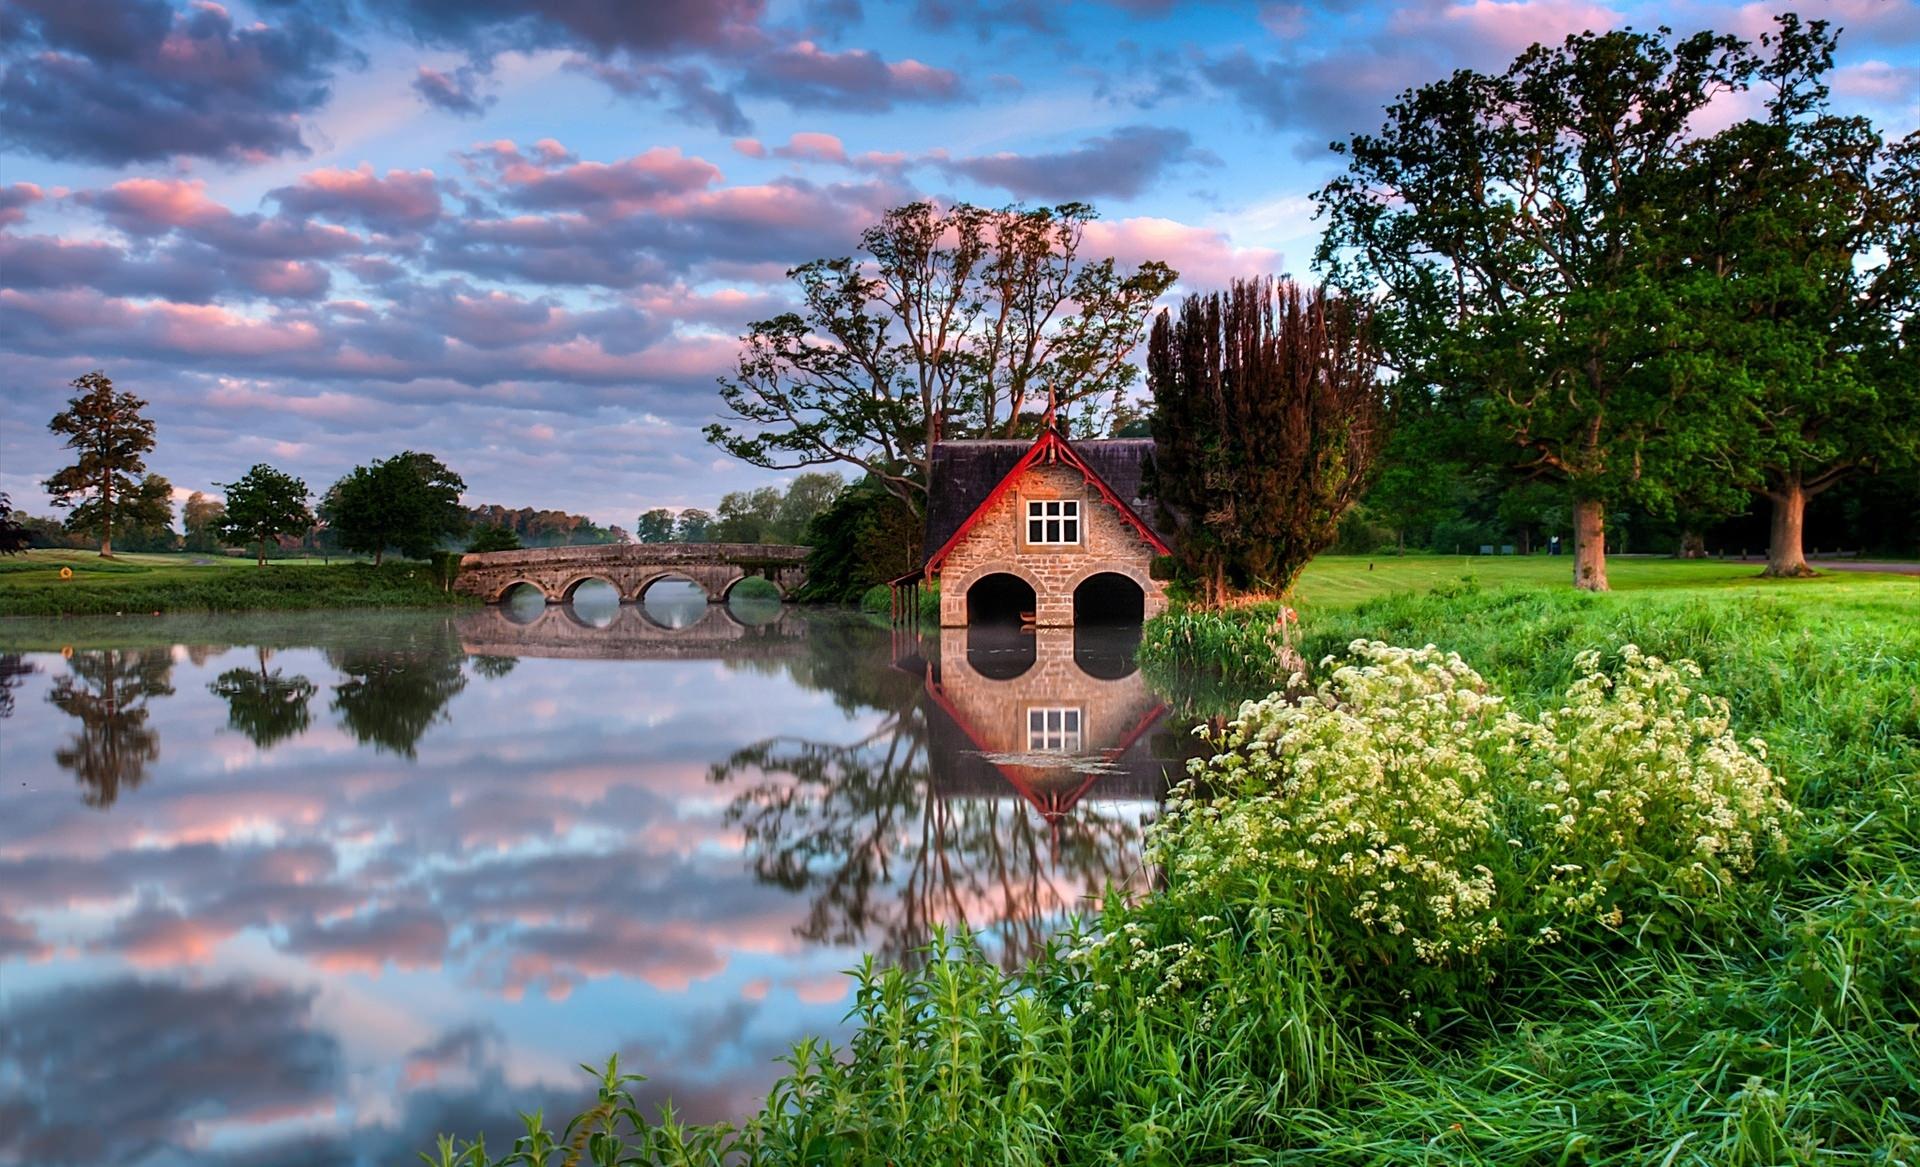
1339, 581
137, 583
1777, 1024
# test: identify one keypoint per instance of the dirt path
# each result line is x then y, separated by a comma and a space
1858, 565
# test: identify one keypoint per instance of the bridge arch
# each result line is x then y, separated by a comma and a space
726, 593
574, 583
647, 582
505, 590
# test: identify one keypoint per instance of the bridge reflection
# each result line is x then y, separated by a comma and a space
646, 631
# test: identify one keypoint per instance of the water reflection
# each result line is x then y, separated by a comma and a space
391, 695
108, 692
268, 707
319, 931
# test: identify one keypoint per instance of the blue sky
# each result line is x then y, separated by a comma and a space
525, 235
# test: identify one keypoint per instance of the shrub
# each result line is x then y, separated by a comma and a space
1421, 829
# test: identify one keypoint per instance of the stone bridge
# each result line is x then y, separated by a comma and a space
632, 568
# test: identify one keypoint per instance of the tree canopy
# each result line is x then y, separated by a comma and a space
958, 322
1794, 245
262, 505
111, 437
1269, 414
1517, 224
409, 502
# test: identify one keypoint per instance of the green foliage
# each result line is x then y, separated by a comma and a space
862, 539
654, 526
956, 324
1268, 416
1517, 225
409, 502
262, 505
693, 526
1433, 834
201, 518
13, 535
494, 539
112, 438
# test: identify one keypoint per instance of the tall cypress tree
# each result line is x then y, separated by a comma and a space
1269, 415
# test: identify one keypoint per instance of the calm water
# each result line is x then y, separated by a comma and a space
307, 889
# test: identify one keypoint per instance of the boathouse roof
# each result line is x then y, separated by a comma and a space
964, 473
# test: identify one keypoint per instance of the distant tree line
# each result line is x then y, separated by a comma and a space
765, 515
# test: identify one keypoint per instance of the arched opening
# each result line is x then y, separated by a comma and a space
673, 601
523, 602
1000, 598
1106, 652
593, 603
754, 601
1000, 651
1109, 598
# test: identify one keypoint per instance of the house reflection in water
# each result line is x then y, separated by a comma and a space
1053, 716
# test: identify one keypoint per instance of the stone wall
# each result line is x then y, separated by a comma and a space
997, 543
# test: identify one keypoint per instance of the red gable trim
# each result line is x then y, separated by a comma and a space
1049, 448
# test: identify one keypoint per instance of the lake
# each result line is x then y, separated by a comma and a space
309, 888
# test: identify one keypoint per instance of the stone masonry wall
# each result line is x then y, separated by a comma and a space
997, 543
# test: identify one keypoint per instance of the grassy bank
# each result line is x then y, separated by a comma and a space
1566, 909
31, 585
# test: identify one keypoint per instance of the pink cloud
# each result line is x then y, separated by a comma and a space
1503, 28
151, 205
404, 199
813, 147
1204, 258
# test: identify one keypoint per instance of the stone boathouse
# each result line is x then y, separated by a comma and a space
1050, 533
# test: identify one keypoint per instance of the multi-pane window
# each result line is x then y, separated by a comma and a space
1054, 730
1053, 521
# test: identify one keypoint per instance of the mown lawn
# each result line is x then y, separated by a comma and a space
1340, 581
143, 583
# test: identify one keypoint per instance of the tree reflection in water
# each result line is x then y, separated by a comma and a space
14, 671
890, 838
394, 692
268, 707
108, 691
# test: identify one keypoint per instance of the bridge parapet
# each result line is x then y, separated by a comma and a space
631, 568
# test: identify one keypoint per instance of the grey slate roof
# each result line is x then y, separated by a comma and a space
964, 473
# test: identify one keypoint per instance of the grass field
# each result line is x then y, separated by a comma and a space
1340, 581
31, 584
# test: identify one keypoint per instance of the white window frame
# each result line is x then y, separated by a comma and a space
1050, 522
1055, 729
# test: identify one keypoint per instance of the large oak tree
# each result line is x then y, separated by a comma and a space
957, 322
410, 502
1796, 243
263, 505
1514, 223
112, 437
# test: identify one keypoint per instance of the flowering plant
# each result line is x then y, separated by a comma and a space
1416, 828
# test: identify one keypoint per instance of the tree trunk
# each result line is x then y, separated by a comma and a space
1786, 556
377, 553
1693, 545
1590, 545
106, 518
263, 553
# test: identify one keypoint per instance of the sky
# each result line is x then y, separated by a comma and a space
525, 235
